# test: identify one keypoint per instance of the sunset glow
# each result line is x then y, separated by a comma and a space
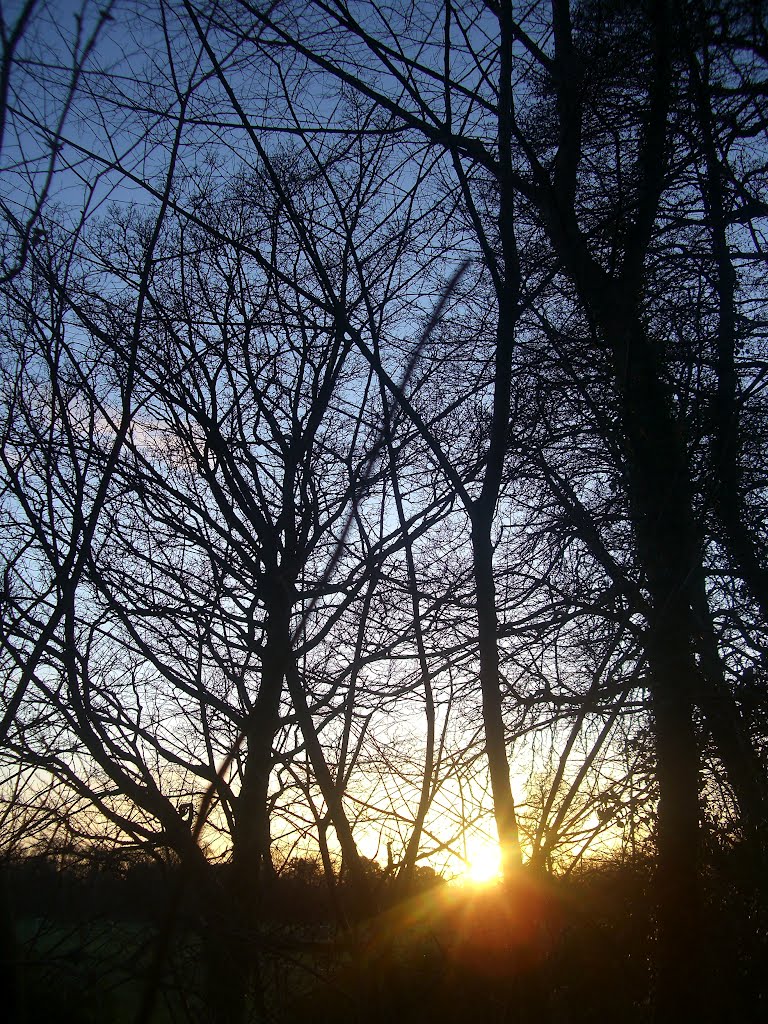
484, 866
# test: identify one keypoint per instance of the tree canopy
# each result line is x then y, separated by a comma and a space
382, 423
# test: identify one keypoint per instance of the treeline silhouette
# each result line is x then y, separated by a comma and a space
570, 949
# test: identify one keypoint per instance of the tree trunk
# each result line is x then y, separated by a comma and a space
679, 950
9, 972
493, 719
236, 966
658, 486
359, 886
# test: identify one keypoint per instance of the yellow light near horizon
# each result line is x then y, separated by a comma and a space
484, 865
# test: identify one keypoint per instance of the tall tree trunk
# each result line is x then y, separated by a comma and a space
238, 963
658, 484
670, 552
679, 921
493, 720
507, 283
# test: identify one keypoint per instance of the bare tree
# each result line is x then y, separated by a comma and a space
414, 316
587, 156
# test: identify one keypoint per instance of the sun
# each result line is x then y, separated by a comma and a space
484, 865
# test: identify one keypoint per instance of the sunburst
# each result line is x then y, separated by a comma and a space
484, 865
